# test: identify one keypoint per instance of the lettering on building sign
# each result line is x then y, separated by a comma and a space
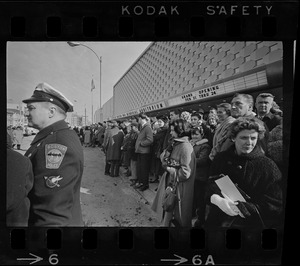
203, 93
149, 10
244, 10
188, 97
152, 107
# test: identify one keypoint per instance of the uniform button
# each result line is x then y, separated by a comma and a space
38, 144
239, 167
29, 155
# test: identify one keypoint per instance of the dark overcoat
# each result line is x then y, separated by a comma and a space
19, 182
157, 149
57, 159
202, 152
258, 176
115, 139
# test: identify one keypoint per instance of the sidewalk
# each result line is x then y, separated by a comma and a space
148, 194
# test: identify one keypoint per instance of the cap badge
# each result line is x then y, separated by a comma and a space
55, 154
52, 181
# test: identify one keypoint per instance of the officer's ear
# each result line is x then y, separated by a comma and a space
52, 110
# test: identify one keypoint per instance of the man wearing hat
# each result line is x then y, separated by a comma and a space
57, 159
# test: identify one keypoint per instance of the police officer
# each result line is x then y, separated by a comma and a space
57, 159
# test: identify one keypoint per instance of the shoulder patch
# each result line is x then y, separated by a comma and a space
54, 153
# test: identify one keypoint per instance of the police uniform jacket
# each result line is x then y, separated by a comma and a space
57, 158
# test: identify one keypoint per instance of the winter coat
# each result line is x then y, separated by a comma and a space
157, 149
158, 140
144, 140
18, 136
105, 139
101, 135
167, 138
275, 145
87, 136
131, 145
10, 133
125, 153
258, 176
272, 120
202, 150
184, 154
19, 182
220, 136
114, 142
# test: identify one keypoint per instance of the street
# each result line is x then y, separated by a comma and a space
109, 201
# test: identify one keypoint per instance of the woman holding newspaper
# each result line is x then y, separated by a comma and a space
254, 197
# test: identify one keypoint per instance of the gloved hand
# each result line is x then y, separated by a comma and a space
226, 205
171, 170
246, 208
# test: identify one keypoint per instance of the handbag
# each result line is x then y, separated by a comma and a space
170, 198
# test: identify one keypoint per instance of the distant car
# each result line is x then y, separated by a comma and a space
34, 131
28, 131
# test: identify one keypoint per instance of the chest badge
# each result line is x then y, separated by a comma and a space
55, 154
52, 181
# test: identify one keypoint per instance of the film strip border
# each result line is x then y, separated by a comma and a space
138, 21
144, 245
149, 20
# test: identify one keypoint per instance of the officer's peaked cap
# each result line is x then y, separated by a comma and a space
46, 93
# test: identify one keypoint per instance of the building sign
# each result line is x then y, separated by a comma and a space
251, 81
152, 107
148, 108
131, 113
247, 82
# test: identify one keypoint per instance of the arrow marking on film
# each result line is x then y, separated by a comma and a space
179, 261
34, 260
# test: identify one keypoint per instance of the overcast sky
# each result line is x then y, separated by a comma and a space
69, 69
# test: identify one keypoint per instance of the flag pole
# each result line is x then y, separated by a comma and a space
92, 109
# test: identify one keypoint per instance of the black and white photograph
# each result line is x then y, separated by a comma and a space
146, 134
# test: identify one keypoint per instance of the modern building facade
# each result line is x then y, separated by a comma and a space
191, 74
108, 110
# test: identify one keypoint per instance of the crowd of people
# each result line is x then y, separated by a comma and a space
16, 135
241, 139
